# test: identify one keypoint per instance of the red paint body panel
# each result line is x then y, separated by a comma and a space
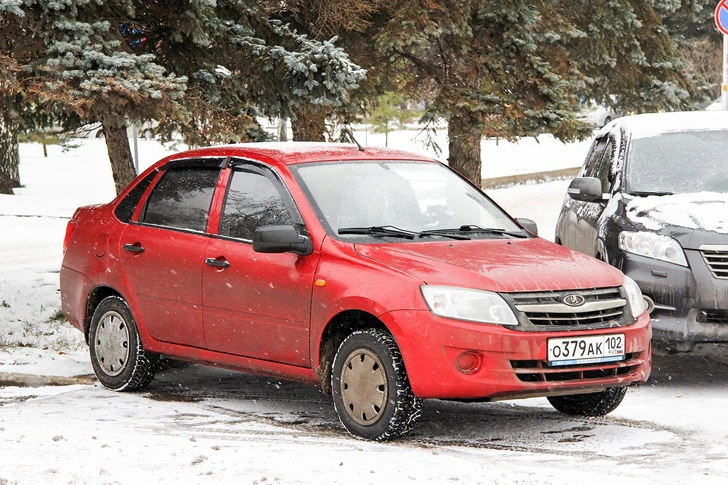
496, 265
258, 306
166, 280
430, 345
265, 313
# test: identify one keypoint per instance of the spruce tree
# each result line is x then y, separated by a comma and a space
508, 68
200, 68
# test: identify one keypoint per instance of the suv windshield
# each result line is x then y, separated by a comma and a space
678, 163
401, 200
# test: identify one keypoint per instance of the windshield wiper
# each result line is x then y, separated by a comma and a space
378, 231
645, 193
472, 228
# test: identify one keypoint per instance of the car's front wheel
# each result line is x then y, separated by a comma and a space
592, 404
371, 391
117, 356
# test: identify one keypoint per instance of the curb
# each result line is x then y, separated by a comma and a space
524, 178
12, 379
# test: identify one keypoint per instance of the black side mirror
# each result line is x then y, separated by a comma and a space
587, 189
281, 239
528, 225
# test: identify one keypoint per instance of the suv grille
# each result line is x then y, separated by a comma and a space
716, 257
584, 308
713, 316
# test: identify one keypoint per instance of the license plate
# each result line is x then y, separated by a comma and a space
586, 350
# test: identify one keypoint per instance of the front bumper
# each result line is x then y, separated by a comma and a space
512, 364
691, 306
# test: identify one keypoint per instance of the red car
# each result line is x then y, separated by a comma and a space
380, 275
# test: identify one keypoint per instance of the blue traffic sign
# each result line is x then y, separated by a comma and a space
721, 16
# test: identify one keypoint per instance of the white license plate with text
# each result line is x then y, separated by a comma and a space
586, 350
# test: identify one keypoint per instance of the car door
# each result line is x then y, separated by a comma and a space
255, 304
581, 223
162, 252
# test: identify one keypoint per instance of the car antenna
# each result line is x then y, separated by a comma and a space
347, 132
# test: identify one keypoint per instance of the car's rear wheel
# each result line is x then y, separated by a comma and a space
592, 404
371, 391
117, 356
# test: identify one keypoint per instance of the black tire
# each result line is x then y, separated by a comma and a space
117, 356
593, 404
382, 405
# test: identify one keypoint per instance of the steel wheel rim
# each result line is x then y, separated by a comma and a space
112, 343
364, 387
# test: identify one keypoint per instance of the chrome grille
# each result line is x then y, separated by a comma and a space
597, 307
716, 258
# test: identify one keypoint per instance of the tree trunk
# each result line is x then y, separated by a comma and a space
283, 129
9, 155
117, 145
464, 137
309, 123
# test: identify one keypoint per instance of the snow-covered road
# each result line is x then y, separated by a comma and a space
201, 425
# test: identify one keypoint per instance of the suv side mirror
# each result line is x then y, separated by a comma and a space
281, 239
528, 225
587, 189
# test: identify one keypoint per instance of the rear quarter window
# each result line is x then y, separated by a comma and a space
125, 210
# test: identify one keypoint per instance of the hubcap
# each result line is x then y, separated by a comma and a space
112, 343
364, 387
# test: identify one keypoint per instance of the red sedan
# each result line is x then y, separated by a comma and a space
380, 275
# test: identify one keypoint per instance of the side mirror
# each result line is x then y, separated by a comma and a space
281, 239
587, 189
528, 225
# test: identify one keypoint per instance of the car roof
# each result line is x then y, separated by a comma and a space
291, 153
653, 124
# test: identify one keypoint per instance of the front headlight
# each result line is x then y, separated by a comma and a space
635, 300
653, 246
466, 304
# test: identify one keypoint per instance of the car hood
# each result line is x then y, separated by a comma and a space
692, 219
503, 265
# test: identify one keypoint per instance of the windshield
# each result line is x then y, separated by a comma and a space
400, 199
678, 163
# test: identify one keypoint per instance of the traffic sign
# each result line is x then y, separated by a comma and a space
721, 16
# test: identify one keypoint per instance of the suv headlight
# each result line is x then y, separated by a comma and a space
466, 304
635, 300
653, 246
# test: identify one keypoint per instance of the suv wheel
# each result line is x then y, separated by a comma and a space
117, 356
371, 391
593, 404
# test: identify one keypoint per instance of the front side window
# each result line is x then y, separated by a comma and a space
254, 199
604, 168
182, 198
412, 196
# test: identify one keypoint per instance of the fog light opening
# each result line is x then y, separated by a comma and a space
468, 362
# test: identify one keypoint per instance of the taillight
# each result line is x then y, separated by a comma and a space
70, 227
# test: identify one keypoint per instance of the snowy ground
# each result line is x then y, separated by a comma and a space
202, 425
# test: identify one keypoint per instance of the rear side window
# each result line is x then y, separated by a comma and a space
182, 198
253, 200
125, 210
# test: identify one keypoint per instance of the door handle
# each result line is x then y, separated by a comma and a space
218, 262
134, 248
